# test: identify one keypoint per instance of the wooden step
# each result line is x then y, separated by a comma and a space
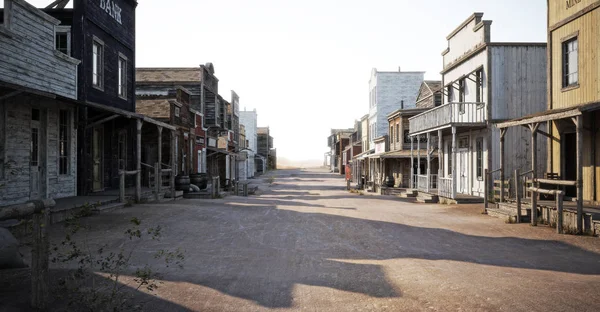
502, 214
427, 198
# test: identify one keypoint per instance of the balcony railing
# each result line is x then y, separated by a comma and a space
448, 114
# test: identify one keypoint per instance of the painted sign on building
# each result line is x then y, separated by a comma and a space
112, 9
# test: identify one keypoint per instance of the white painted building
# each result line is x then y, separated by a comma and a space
250, 121
388, 92
484, 83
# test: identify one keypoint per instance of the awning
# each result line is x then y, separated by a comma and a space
127, 114
219, 151
363, 155
549, 115
406, 154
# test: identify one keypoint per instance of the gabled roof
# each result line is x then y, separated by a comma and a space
433, 85
174, 75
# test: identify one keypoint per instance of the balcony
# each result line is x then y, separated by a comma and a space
448, 115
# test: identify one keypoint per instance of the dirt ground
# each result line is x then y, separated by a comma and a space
305, 243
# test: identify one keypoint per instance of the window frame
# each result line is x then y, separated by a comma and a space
122, 73
461, 89
450, 92
99, 63
479, 158
565, 68
63, 30
479, 86
67, 142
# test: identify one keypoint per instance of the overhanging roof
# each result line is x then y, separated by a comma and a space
407, 154
549, 115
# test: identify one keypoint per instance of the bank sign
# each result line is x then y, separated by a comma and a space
112, 9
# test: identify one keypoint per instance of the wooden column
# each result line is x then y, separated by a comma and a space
502, 134
191, 140
138, 162
173, 162
440, 148
534, 128
579, 123
159, 179
518, 195
412, 162
454, 163
418, 156
428, 162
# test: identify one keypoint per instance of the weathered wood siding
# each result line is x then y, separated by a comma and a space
559, 11
519, 88
465, 40
17, 155
585, 24
28, 54
588, 91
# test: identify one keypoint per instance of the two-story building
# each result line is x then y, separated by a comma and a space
249, 119
38, 108
109, 136
571, 117
483, 83
389, 91
176, 111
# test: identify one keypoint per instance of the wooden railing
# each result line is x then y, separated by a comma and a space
445, 187
451, 113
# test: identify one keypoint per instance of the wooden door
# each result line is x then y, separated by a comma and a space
461, 168
97, 152
35, 166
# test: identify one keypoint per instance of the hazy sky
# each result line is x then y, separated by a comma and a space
305, 65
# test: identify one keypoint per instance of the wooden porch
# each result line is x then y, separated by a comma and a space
565, 120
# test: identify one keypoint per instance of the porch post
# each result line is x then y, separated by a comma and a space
502, 134
418, 159
428, 162
534, 215
138, 162
412, 162
159, 178
440, 148
579, 122
453, 162
173, 163
191, 141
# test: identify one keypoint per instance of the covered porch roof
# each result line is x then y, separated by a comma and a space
407, 154
549, 115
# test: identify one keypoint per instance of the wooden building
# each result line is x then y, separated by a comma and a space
175, 111
483, 83
406, 160
109, 142
38, 108
205, 102
571, 117
337, 142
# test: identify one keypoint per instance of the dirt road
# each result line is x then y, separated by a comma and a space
307, 244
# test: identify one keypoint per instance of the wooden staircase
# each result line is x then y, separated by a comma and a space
427, 198
409, 193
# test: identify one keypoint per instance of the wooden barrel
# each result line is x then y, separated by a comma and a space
182, 183
200, 180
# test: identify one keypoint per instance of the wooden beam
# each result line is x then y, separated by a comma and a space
11, 94
534, 214
454, 178
101, 121
543, 118
138, 161
502, 150
579, 124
